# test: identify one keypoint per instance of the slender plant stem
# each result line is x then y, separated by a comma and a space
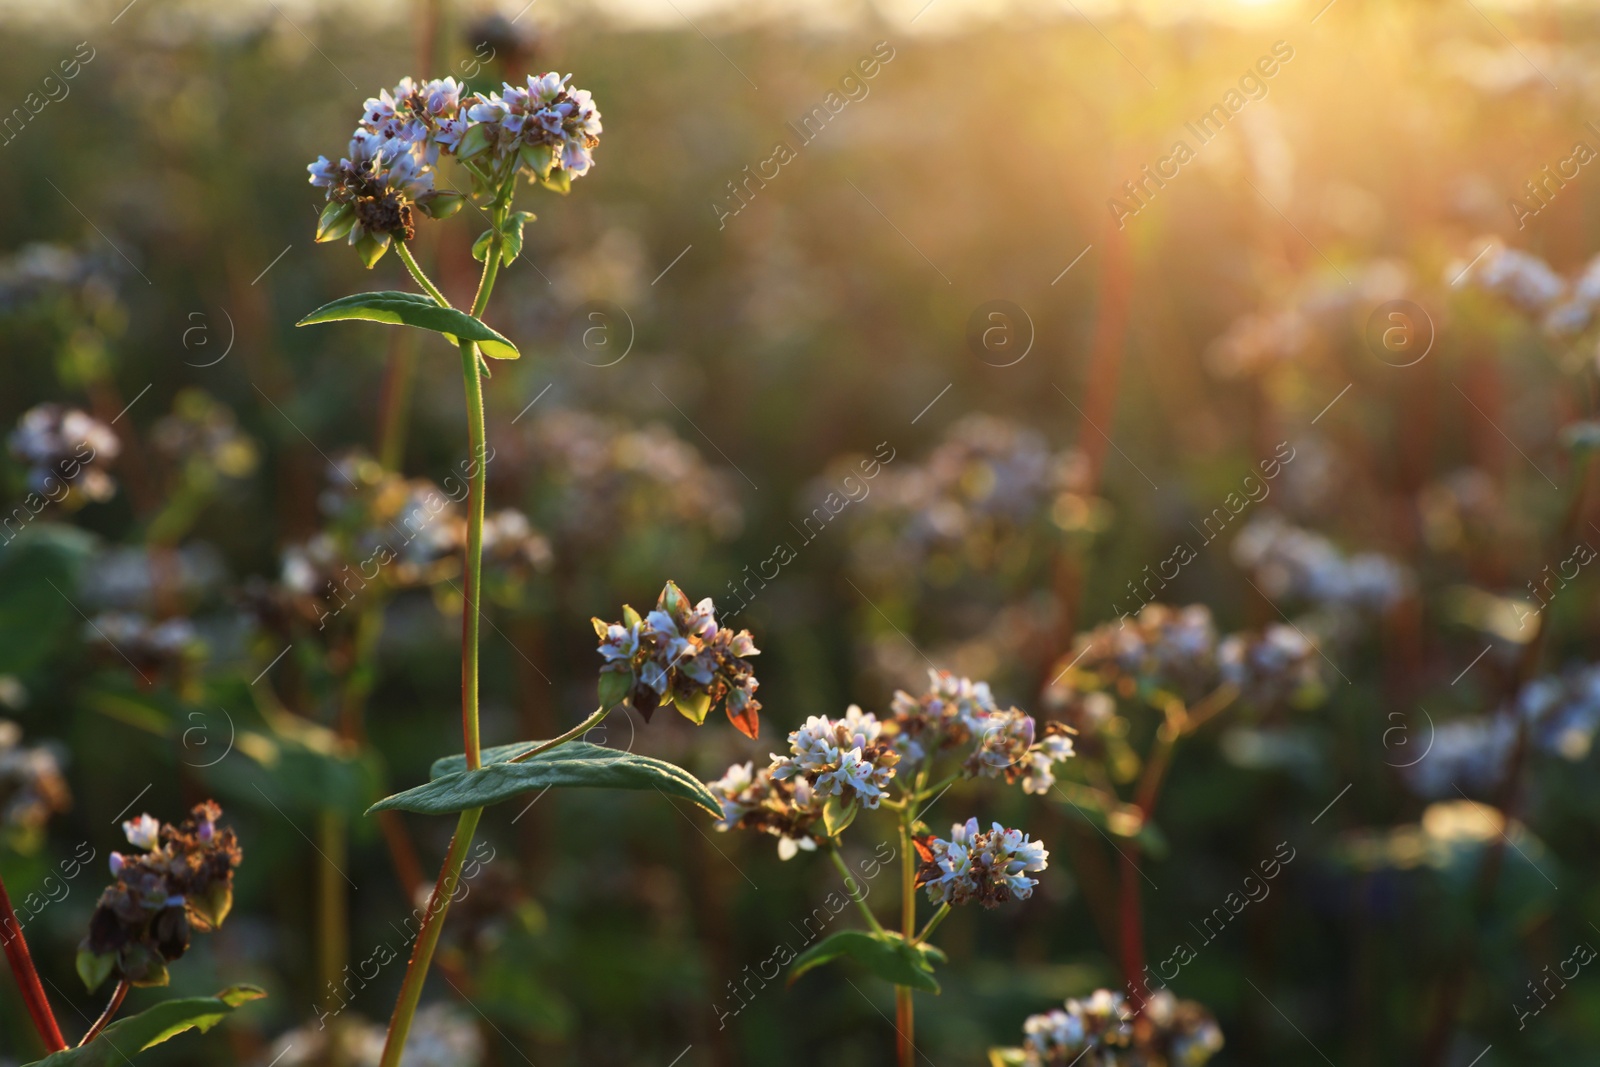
419, 274
904, 1007
577, 731
933, 924
405, 1008
17, 955
838, 861
117, 997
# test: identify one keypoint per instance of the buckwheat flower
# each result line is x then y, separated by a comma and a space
989, 867
753, 799
948, 714
842, 757
1287, 561
678, 654
64, 446
181, 881
544, 125
143, 832
1006, 749
1275, 667
1107, 1030
151, 647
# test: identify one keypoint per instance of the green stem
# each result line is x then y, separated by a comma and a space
577, 731
405, 1008
838, 861
419, 274
428, 937
933, 924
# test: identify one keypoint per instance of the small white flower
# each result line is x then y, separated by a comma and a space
143, 832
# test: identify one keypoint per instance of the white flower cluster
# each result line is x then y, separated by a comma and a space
988, 867
1562, 712
1007, 748
546, 130
1277, 666
788, 809
1521, 277
957, 711
842, 757
32, 787
1288, 561
679, 655
63, 445
1104, 1030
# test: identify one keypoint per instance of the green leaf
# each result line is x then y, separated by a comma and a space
837, 815
371, 247
480, 247
149, 1028
888, 956
419, 310
511, 248
95, 968
537, 158
576, 764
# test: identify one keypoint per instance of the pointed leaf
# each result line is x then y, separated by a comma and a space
888, 956
837, 815
138, 1032
575, 764
419, 310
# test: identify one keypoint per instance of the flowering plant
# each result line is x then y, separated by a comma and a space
837, 768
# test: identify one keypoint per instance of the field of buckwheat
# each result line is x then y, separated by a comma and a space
698, 534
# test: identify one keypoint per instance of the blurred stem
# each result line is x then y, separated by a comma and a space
117, 997
333, 913
1436, 1043
394, 406
21, 961
405, 1008
838, 861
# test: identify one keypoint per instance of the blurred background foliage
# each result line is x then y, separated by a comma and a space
158, 251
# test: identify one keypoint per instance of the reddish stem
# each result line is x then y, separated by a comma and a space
16, 947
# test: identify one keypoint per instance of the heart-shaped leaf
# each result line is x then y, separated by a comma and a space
887, 955
138, 1032
454, 788
419, 310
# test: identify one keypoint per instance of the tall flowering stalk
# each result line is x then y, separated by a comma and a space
544, 131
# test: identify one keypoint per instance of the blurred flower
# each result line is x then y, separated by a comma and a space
679, 655
603, 478
441, 1036
988, 482
991, 867
203, 436
1522, 278
66, 445
1105, 1031
843, 758
1287, 561
39, 268
789, 809
32, 787
1275, 667
151, 648
181, 880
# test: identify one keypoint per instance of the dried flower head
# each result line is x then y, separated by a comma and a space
844, 758
990, 867
787, 808
180, 880
679, 655
66, 447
